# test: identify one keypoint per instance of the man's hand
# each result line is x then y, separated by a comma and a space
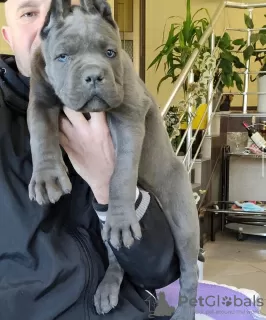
90, 149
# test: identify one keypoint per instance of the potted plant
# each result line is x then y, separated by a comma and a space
227, 65
178, 117
256, 49
182, 39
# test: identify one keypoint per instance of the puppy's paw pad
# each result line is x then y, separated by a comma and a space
48, 185
106, 298
121, 233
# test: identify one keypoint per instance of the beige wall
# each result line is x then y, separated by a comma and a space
156, 19
4, 48
124, 14
157, 13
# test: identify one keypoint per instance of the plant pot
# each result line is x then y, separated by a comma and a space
196, 121
261, 97
226, 102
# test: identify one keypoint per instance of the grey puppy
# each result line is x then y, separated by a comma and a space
81, 64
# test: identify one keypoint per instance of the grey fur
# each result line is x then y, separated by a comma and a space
91, 79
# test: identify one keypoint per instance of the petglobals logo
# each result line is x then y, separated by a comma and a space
222, 301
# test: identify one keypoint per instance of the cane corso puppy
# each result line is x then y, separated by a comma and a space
80, 64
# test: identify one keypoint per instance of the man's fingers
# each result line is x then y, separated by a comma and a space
65, 125
63, 140
98, 119
76, 118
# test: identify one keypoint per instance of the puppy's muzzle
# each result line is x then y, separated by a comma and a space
93, 77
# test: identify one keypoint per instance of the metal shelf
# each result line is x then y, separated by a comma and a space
247, 155
244, 222
247, 229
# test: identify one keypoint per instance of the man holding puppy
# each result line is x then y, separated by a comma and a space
53, 257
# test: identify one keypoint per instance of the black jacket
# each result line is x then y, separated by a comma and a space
52, 258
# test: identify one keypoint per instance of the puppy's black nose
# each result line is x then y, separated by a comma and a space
94, 77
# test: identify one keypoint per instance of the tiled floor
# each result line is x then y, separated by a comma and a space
240, 264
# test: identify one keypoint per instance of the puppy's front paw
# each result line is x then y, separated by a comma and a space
122, 229
107, 294
48, 185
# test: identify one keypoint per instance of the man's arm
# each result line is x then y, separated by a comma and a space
150, 262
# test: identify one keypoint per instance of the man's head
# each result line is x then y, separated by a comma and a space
81, 48
24, 19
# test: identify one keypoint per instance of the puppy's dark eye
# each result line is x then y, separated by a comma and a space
110, 53
62, 58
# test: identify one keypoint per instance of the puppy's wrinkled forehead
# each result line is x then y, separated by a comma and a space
81, 31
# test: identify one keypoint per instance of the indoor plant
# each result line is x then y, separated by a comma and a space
182, 39
178, 117
256, 49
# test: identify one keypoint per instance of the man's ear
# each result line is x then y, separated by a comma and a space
102, 6
6, 33
59, 9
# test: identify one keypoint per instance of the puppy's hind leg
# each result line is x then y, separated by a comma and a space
180, 207
107, 294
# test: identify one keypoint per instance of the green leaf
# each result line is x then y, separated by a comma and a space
170, 73
174, 79
238, 81
162, 80
162, 45
182, 39
248, 21
197, 45
255, 37
167, 47
204, 24
191, 35
238, 63
202, 9
170, 62
239, 42
188, 17
217, 40
248, 52
198, 33
171, 37
263, 31
227, 56
263, 39
226, 66
225, 41
241, 47
157, 60
187, 23
227, 80
177, 25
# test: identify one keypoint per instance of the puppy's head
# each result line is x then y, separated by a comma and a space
81, 48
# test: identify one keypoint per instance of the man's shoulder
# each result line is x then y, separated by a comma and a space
14, 86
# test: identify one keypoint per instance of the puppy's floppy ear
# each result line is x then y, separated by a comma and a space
102, 7
59, 9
